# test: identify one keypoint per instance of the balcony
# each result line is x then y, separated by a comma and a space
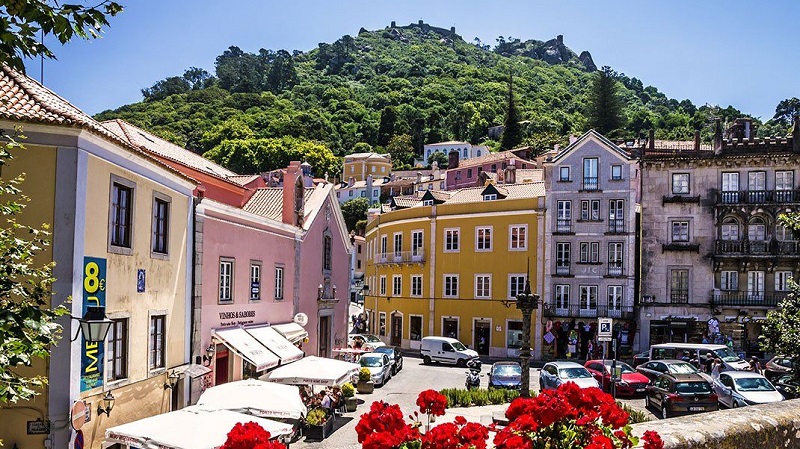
737, 298
615, 268
757, 247
590, 183
576, 311
616, 226
400, 257
564, 225
758, 197
679, 297
562, 268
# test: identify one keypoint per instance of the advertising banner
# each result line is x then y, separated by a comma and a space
94, 295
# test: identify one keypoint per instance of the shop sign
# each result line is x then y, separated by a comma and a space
94, 295
38, 427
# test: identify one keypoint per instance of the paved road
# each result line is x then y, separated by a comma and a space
403, 389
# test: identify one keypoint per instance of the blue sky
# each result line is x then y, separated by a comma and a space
740, 53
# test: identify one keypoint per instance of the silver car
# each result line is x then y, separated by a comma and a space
741, 388
379, 366
554, 374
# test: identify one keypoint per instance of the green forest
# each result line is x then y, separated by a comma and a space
395, 89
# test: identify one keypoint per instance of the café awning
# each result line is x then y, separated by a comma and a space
189, 428
314, 370
247, 347
255, 397
292, 331
276, 343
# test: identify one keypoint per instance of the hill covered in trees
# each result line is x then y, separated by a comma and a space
394, 90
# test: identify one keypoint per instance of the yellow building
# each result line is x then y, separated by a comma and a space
359, 165
452, 263
122, 227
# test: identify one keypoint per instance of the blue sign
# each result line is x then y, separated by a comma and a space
94, 295
140, 278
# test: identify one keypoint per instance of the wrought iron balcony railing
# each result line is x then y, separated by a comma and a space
401, 257
758, 197
585, 311
737, 298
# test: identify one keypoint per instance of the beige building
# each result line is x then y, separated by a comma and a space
359, 165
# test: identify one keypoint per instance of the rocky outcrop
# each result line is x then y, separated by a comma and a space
587, 61
552, 52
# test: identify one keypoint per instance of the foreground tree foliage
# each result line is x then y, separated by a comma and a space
354, 211
28, 325
605, 106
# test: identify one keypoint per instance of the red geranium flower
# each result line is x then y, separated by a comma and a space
250, 436
652, 440
431, 402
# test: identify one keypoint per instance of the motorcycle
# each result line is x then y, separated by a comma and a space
473, 375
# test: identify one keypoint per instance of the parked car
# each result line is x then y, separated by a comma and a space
631, 382
741, 388
681, 393
446, 350
364, 341
554, 374
505, 375
379, 366
655, 368
394, 355
788, 386
778, 366
640, 358
695, 352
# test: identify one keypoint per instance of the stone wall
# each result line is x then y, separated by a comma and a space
757, 427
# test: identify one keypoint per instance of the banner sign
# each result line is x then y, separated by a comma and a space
94, 295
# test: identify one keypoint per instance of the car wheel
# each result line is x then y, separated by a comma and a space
426, 360
735, 404
665, 410
461, 363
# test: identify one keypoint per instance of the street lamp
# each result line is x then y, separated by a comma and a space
172, 380
94, 325
108, 402
526, 303
210, 351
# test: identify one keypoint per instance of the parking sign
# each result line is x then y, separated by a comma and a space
604, 326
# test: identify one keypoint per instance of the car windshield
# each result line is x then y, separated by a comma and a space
693, 387
681, 368
507, 370
383, 350
753, 384
372, 362
621, 365
573, 373
458, 346
727, 355
371, 338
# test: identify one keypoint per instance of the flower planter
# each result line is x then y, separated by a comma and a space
365, 387
319, 432
350, 404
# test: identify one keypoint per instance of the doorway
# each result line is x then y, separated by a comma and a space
482, 335
397, 330
324, 336
450, 327
221, 367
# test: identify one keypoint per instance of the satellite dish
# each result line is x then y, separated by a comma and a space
301, 319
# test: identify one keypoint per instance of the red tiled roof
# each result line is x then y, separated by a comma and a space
268, 202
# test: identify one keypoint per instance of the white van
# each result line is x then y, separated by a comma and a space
445, 350
698, 351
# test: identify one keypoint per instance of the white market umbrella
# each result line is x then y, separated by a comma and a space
188, 428
255, 397
312, 370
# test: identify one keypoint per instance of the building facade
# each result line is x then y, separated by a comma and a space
474, 172
359, 165
465, 150
452, 263
589, 264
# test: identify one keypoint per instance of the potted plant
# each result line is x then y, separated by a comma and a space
349, 394
319, 424
365, 384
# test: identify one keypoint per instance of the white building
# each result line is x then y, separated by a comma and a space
465, 150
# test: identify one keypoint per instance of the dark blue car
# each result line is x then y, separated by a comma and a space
505, 375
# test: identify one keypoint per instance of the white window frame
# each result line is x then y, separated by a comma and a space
683, 232
280, 275
421, 323
481, 244
615, 296
562, 296
521, 243
255, 276
382, 324
755, 284
782, 280
450, 291
452, 245
588, 297
397, 245
516, 284
619, 168
416, 285
397, 285
417, 250
729, 280
382, 285
680, 183
561, 173
483, 286
226, 280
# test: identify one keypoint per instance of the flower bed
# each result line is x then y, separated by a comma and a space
460, 397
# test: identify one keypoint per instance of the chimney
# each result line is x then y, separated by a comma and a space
350, 181
652, 140
452, 160
419, 178
555, 148
796, 135
572, 139
717, 142
748, 128
293, 194
697, 140
510, 174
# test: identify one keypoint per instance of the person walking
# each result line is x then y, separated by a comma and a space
755, 365
716, 368
708, 363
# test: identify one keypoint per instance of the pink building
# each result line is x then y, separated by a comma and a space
467, 173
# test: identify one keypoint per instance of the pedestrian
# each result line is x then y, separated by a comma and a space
755, 365
708, 363
716, 368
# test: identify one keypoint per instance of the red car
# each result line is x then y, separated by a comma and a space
631, 382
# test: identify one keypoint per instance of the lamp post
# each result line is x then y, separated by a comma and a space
94, 325
526, 303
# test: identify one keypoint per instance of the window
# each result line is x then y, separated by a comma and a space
757, 230
451, 239
416, 285
427, 202
363, 194
384, 245
679, 286
398, 244
382, 323
615, 259
514, 334
680, 183
755, 285
397, 285
516, 285
564, 216
255, 281
451, 285
757, 186
616, 172
490, 197
279, 283
226, 280
383, 286
374, 193
588, 297
469, 173
729, 280
415, 327
326, 253
157, 340
464, 152
784, 185
590, 210
616, 216
614, 298
430, 186
458, 175
563, 173
519, 237
494, 168
483, 285
416, 243
680, 231
117, 350
730, 230
590, 174
160, 224
483, 239
350, 193
121, 213
782, 233
730, 187
562, 296
782, 281
562, 258
590, 252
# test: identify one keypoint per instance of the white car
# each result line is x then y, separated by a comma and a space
379, 366
368, 341
741, 388
554, 374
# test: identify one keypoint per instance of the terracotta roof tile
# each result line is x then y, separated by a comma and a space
491, 157
268, 202
513, 191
